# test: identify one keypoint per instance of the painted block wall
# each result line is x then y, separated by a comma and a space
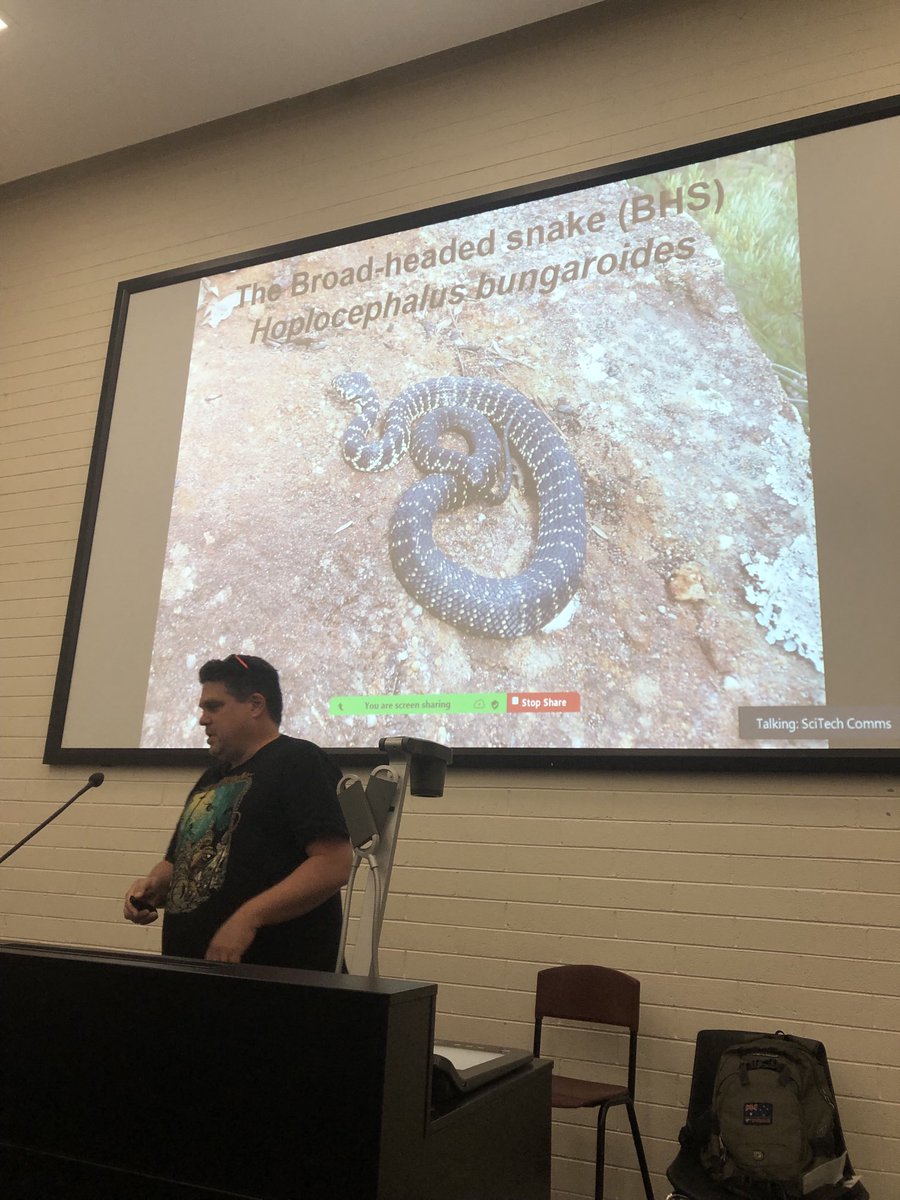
766, 901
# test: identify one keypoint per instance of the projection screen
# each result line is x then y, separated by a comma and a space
602, 470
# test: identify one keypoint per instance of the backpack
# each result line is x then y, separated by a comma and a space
772, 1123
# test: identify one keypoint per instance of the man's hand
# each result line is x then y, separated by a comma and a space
151, 890
142, 889
232, 940
324, 873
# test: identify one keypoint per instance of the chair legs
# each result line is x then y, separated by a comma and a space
639, 1149
638, 1146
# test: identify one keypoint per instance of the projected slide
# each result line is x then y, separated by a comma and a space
526, 478
607, 469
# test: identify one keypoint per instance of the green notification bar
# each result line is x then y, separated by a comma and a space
456, 702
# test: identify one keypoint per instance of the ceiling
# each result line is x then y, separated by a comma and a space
82, 77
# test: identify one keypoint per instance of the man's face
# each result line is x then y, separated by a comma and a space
229, 722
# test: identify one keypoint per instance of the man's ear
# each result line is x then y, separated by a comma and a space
257, 701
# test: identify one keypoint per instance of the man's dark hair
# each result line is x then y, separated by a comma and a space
244, 674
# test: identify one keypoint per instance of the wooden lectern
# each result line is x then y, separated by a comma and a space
130, 1077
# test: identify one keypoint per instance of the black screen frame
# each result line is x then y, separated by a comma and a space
637, 759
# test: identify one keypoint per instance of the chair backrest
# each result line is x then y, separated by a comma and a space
588, 993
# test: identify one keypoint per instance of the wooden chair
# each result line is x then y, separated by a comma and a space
603, 997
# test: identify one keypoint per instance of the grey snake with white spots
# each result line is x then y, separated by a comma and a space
492, 418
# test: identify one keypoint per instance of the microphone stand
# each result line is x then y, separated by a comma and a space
95, 780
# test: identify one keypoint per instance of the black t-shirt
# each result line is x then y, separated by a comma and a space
244, 829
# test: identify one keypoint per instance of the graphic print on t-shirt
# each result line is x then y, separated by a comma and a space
204, 842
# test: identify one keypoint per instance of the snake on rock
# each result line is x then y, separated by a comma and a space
492, 419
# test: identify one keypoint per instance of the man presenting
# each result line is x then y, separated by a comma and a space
255, 866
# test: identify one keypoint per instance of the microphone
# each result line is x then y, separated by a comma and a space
93, 781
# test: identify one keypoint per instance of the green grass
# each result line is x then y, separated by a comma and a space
755, 234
